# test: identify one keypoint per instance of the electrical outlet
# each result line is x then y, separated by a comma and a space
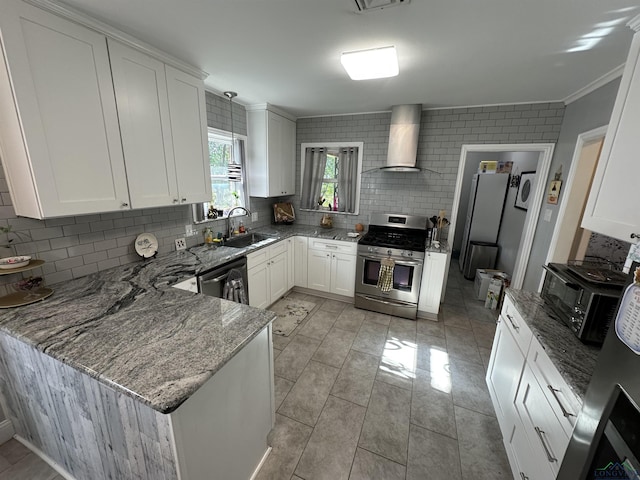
189, 230
181, 244
254, 217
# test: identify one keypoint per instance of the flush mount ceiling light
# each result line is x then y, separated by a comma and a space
372, 63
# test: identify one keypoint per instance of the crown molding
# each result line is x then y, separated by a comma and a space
112, 32
634, 23
597, 83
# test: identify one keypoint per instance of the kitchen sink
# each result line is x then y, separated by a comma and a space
246, 240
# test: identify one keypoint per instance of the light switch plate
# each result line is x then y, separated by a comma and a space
189, 230
254, 217
181, 244
547, 215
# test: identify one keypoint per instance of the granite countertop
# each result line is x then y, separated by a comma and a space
574, 360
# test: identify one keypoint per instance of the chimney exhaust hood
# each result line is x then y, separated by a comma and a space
403, 138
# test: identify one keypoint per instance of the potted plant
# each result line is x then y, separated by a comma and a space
6, 240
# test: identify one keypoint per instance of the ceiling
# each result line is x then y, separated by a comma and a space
451, 52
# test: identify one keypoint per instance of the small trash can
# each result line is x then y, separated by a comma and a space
481, 255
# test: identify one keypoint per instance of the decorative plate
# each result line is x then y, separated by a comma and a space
146, 245
8, 263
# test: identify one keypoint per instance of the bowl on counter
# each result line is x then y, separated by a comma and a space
9, 263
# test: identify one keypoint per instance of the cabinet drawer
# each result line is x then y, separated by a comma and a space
516, 324
277, 248
541, 425
564, 403
256, 258
332, 245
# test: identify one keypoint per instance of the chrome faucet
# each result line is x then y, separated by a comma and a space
229, 232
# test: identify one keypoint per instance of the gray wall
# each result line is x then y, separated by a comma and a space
442, 134
76, 246
513, 218
589, 112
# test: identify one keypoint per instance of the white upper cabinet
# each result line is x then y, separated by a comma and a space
90, 125
143, 108
163, 126
188, 113
271, 153
612, 207
59, 133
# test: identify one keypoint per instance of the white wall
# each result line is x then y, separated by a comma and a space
513, 218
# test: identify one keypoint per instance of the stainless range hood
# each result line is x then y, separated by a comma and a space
403, 138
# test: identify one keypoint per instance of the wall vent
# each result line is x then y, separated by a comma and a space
367, 5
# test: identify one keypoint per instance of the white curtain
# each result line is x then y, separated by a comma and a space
347, 178
315, 160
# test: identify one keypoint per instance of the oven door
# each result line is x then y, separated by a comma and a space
406, 278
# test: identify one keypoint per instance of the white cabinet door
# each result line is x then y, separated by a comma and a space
527, 465
278, 277
143, 109
57, 97
270, 153
258, 279
300, 262
612, 206
319, 270
433, 272
188, 113
541, 425
503, 376
343, 274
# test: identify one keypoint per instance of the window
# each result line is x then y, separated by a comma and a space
228, 182
331, 176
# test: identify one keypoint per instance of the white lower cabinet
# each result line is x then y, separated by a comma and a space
534, 406
290, 262
331, 266
435, 265
267, 275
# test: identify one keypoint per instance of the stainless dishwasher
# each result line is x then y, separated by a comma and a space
212, 282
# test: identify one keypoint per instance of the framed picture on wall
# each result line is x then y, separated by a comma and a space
525, 190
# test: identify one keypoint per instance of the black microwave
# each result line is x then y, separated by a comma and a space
587, 308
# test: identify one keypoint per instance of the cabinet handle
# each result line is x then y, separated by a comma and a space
635, 235
550, 457
125, 204
523, 476
175, 200
554, 392
332, 247
184, 200
513, 324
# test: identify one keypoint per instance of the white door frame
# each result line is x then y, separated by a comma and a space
583, 139
545, 151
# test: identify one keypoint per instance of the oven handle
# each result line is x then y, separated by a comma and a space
387, 302
398, 262
559, 277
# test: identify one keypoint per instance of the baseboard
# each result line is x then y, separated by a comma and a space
428, 315
264, 459
322, 294
6, 431
52, 463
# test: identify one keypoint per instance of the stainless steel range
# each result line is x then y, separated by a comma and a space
400, 241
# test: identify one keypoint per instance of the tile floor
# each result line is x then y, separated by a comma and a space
366, 396
361, 395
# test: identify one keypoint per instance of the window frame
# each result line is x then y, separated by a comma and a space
332, 147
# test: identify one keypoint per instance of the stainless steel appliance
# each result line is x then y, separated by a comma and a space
479, 255
484, 214
401, 238
584, 297
606, 439
212, 282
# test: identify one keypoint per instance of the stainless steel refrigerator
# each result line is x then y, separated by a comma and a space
484, 214
606, 439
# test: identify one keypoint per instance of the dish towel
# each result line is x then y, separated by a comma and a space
385, 277
234, 289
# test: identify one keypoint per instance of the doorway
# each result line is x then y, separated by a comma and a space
570, 240
545, 153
